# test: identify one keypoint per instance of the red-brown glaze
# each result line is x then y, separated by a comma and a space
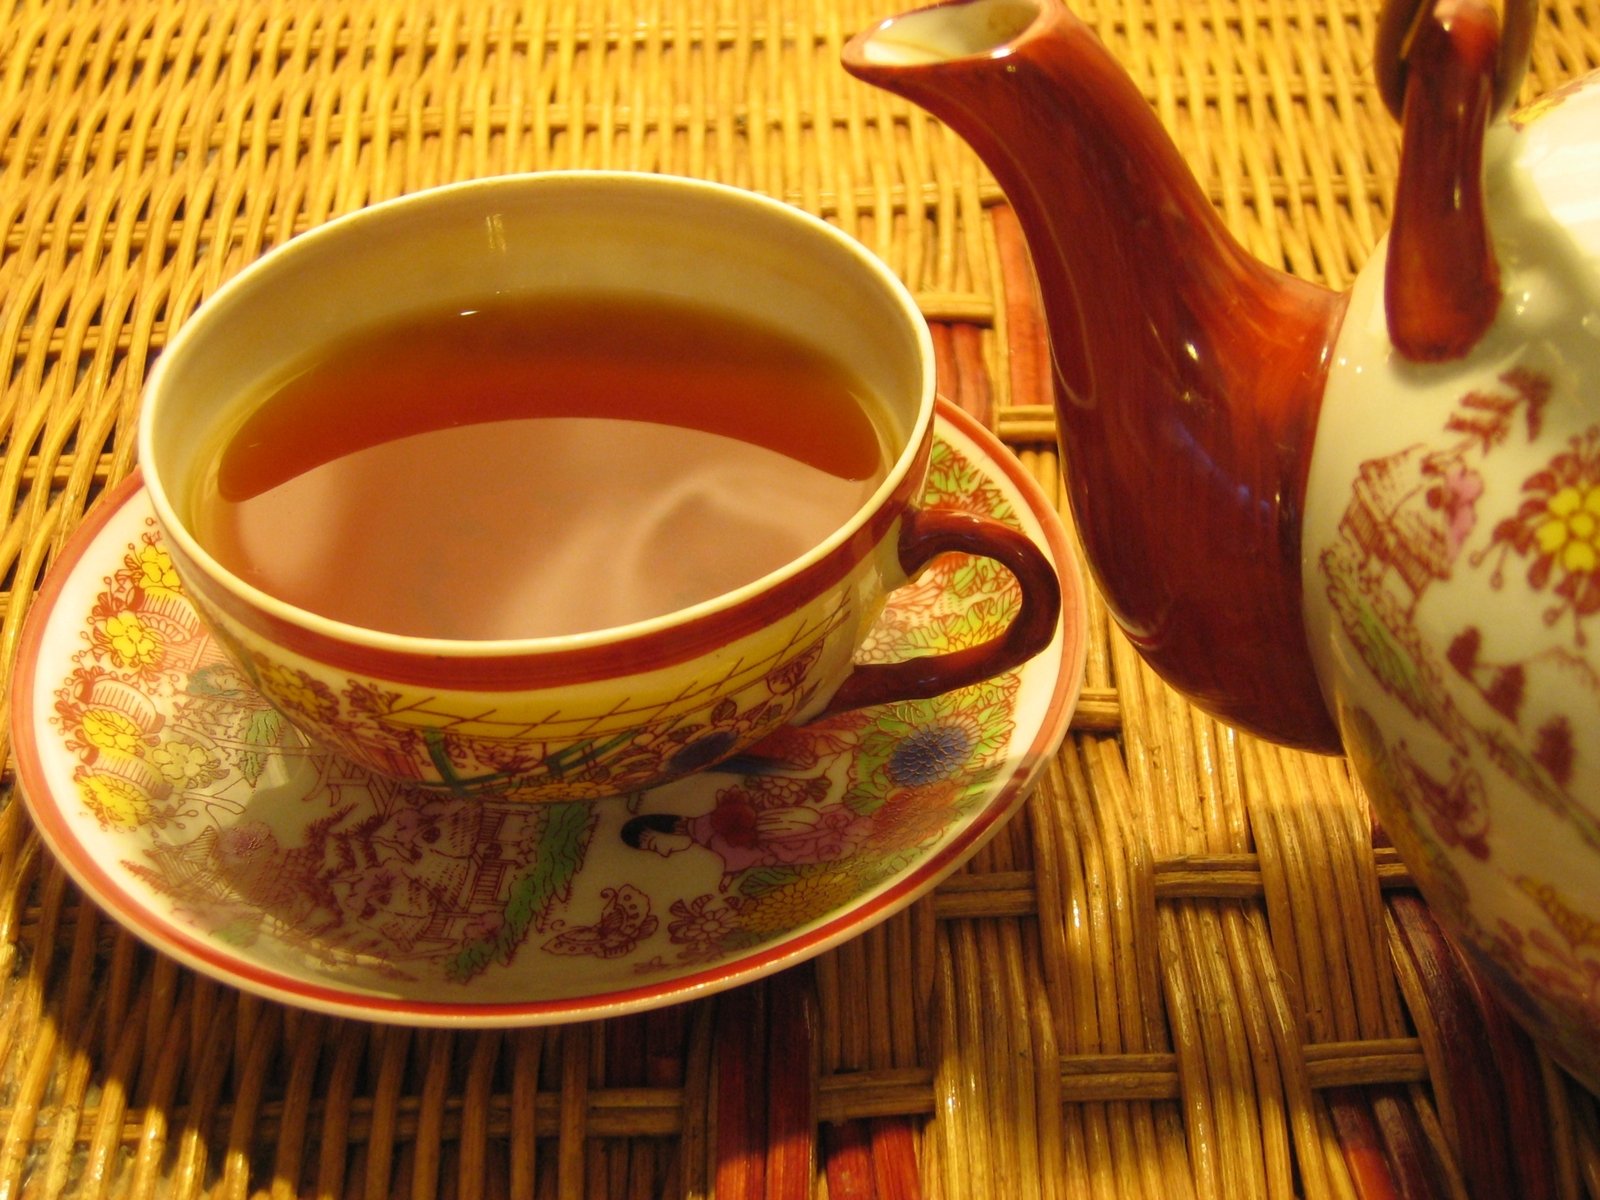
926, 534
1441, 280
1188, 376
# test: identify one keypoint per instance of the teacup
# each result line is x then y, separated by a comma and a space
610, 710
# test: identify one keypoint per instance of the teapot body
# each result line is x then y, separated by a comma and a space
1366, 519
1451, 582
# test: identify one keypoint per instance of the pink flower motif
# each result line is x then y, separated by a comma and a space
1457, 496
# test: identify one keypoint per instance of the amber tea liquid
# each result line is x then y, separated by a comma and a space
539, 467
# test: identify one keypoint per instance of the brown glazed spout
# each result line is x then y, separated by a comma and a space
1187, 375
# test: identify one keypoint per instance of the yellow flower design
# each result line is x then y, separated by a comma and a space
295, 691
1556, 531
799, 902
184, 764
156, 573
114, 800
1578, 929
108, 729
133, 643
1570, 530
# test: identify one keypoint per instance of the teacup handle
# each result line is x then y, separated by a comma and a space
925, 534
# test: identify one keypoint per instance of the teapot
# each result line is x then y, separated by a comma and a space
1362, 520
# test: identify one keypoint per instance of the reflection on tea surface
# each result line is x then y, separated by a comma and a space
539, 467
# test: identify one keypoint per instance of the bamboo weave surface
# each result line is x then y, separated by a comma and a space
1183, 970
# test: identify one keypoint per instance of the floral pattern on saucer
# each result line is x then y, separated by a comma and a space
190, 809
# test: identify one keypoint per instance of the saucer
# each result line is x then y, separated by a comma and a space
185, 806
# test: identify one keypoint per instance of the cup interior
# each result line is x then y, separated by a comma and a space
558, 232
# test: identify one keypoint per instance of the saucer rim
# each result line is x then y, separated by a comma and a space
113, 898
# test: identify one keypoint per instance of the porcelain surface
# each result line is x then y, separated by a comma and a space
603, 711
1363, 520
1452, 580
192, 812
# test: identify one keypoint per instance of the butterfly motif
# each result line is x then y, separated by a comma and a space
625, 921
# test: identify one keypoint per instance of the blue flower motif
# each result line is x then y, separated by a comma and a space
930, 754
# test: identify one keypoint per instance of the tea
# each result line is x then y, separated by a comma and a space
540, 466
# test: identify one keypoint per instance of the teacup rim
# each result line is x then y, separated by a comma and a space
894, 490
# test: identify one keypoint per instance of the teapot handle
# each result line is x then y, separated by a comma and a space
1397, 28
1457, 68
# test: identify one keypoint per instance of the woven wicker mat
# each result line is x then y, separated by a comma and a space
1183, 970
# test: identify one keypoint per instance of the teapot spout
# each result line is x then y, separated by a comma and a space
1187, 375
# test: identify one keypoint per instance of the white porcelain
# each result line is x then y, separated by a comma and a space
599, 713
1452, 583
1365, 520
194, 815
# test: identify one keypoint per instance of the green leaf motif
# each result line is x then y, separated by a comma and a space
946, 482
263, 730
1389, 661
241, 932
252, 766
219, 680
547, 879
759, 881
264, 727
978, 577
